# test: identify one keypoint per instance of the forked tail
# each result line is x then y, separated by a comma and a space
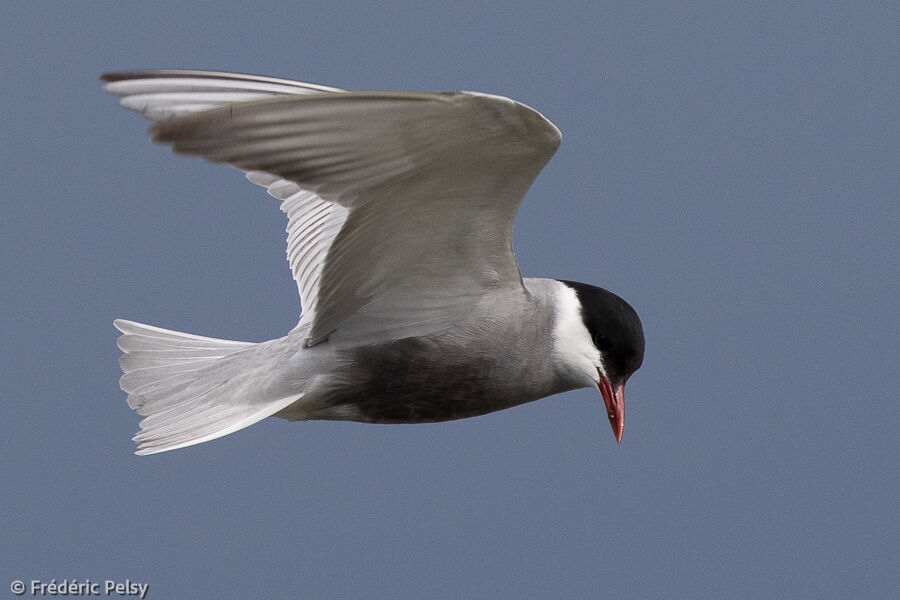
190, 388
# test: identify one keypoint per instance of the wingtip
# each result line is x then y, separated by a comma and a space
113, 76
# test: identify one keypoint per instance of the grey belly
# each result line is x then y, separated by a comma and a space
419, 380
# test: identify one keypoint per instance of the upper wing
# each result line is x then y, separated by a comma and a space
312, 222
431, 183
400, 205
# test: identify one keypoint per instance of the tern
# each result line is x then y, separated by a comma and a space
400, 210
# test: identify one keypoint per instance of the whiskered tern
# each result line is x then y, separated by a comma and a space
400, 210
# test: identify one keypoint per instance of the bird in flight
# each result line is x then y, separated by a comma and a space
400, 209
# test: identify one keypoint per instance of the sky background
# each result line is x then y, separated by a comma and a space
733, 171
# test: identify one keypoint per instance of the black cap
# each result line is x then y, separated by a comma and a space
615, 329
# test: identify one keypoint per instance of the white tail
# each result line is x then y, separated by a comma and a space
186, 388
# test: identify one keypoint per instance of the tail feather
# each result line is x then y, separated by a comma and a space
145, 383
185, 388
145, 332
142, 360
227, 421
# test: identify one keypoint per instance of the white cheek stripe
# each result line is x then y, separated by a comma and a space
572, 345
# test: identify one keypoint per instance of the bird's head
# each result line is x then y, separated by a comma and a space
605, 344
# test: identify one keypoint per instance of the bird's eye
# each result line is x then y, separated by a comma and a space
600, 341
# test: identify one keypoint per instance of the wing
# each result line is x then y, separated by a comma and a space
431, 184
312, 222
312, 226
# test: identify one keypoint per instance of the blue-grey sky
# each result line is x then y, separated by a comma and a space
732, 170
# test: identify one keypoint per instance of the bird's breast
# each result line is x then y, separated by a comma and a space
422, 380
